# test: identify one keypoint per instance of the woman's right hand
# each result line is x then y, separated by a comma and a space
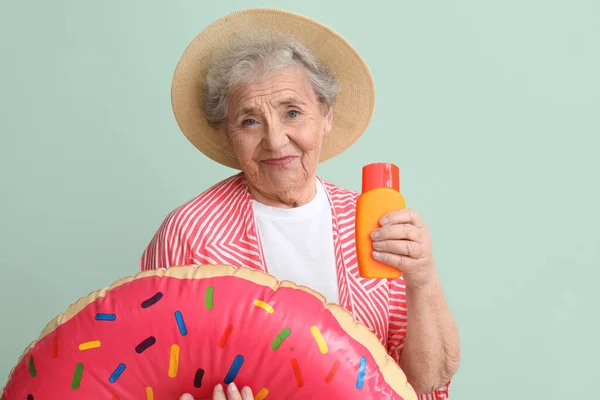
232, 393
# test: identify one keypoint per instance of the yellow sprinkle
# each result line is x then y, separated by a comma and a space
319, 338
262, 394
174, 362
149, 394
89, 345
264, 306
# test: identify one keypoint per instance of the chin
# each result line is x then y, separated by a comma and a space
284, 179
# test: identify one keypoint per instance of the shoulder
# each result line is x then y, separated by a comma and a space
180, 235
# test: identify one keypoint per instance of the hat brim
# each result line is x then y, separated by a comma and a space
352, 110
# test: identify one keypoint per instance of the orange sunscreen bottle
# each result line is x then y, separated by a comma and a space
380, 195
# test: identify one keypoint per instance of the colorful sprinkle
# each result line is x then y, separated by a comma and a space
297, 373
234, 369
198, 378
105, 317
174, 361
280, 338
262, 394
225, 336
94, 344
149, 393
264, 306
333, 371
117, 373
115, 398
208, 300
32, 370
143, 346
29, 397
180, 323
152, 300
319, 339
77, 376
55, 348
361, 373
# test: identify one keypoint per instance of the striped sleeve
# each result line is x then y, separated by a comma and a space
438, 394
397, 318
397, 333
169, 246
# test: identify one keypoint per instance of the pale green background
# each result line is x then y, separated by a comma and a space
490, 108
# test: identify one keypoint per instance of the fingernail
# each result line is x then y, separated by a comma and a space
232, 387
384, 221
219, 388
374, 234
376, 255
377, 245
246, 391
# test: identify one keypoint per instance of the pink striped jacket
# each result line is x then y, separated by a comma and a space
218, 227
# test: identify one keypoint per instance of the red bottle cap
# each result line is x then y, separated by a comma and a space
380, 175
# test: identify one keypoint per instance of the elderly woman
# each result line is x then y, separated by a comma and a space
274, 104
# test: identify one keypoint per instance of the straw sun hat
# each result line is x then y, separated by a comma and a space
352, 109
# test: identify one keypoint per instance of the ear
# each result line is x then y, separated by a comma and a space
328, 120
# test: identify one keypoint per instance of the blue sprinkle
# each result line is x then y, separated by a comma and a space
361, 373
180, 323
115, 375
235, 368
105, 317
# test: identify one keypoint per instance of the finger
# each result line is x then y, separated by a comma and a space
233, 393
219, 393
186, 396
404, 216
398, 232
406, 248
401, 262
247, 394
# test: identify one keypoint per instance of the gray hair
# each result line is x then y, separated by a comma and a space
253, 56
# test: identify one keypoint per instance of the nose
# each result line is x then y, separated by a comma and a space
275, 136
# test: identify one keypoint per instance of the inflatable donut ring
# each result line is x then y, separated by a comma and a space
162, 333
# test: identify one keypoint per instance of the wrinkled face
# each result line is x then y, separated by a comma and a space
276, 127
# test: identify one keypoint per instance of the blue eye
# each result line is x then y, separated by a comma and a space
293, 113
249, 122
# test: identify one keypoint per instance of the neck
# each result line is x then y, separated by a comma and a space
288, 197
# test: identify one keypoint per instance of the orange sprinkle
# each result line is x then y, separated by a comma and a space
297, 372
331, 373
262, 394
225, 336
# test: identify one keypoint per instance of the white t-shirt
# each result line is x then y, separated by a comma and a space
298, 244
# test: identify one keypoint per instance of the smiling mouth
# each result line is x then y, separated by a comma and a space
279, 161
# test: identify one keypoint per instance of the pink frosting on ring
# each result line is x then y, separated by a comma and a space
158, 337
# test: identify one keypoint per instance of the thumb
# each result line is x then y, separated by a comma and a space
186, 396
